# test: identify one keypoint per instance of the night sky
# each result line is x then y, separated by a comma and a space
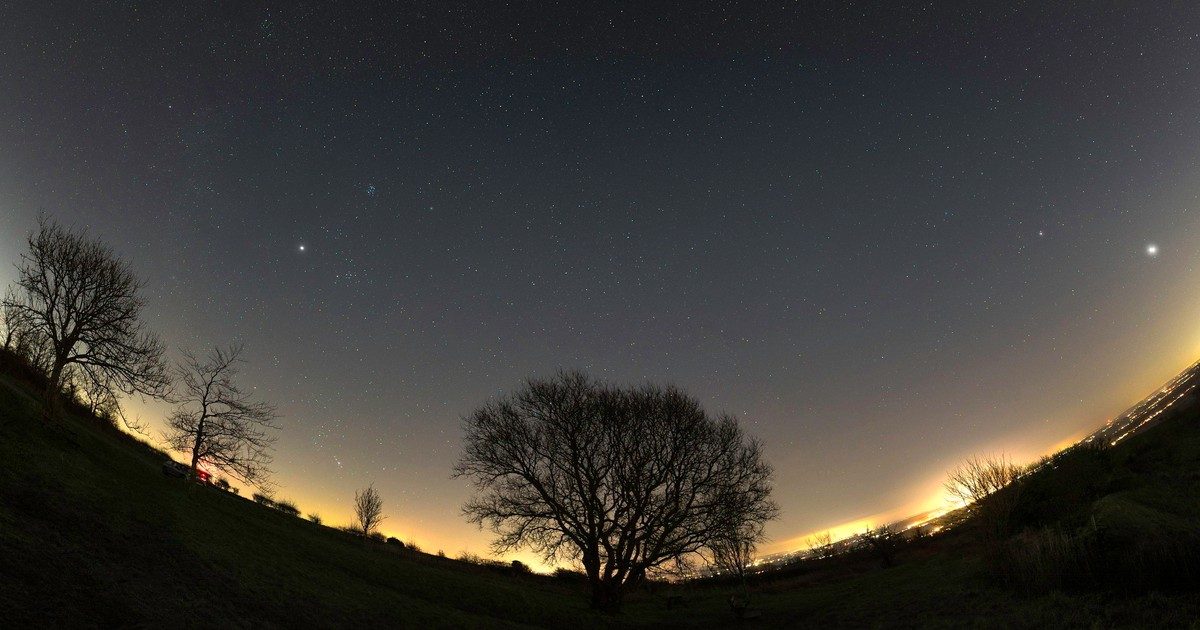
885, 238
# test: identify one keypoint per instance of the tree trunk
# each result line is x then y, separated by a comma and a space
53, 393
196, 449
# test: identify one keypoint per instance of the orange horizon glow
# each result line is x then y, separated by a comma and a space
932, 498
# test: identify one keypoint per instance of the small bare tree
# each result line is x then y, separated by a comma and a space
84, 306
625, 481
217, 422
733, 553
989, 488
821, 545
368, 510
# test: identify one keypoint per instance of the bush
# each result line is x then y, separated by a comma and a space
222, 483
392, 540
287, 507
520, 567
376, 536
314, 517
568, 575
263, 499
480, 561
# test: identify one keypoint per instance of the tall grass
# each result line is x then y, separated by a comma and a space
1047, 560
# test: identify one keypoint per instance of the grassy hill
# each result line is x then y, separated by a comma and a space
93, 535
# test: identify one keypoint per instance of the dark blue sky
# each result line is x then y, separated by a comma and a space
886, 238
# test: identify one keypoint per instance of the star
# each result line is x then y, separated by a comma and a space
1152, 250
302, 248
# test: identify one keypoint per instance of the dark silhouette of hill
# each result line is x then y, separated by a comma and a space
1168, 401
92, 534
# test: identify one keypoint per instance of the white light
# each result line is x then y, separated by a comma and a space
301, 248
1152, 250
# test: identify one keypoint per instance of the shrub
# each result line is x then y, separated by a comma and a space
263, 499
569, 575
480, 561
1045, 560
314, 517
287, 507
884, 541
222, 483
392, 540
376, 536
520, 567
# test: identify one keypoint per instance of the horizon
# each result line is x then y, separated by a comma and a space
883, 252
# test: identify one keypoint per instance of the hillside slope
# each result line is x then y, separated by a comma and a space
93, 535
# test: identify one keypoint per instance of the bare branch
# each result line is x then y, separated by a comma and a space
77, 307
217, 422
368, 510
623, 480
989, 488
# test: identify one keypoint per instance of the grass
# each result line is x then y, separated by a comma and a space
92, 534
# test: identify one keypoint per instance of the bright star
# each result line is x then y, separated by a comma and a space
301, 248
1152, 250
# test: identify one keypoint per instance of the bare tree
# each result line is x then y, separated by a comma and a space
217, 421
20, 338
821, 545
733, 553
989, 488
368, 510
84, 304
624, 481
99, 397
17, 326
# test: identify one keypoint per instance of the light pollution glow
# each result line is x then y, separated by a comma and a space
929, 497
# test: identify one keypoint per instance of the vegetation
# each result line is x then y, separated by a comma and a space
217, 422
77, 311
625, 481
990, 488
91, 532
1103, 536
368, 510
883, 541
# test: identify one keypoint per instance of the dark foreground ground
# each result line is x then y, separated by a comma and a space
92, 535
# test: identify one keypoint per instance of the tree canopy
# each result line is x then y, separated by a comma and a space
80, 307
624, 481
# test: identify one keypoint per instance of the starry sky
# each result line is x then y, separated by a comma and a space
885, 237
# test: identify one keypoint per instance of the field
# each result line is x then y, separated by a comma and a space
92, 535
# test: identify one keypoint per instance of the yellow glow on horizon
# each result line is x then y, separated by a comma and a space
931, 497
